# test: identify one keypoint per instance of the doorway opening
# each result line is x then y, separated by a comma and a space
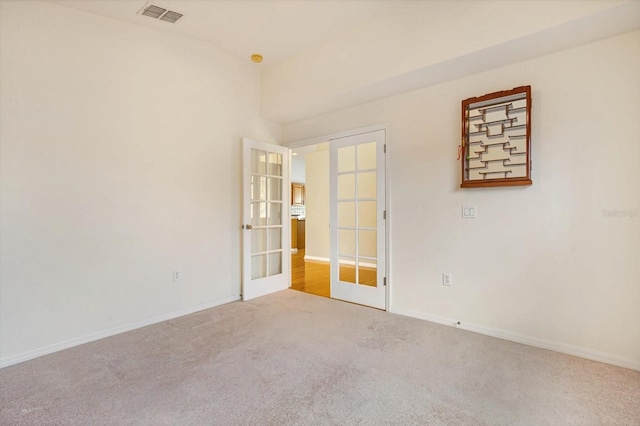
338, 206
310, 236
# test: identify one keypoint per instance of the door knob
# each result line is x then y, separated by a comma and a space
248, 227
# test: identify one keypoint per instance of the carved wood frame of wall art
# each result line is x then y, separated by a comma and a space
496, 139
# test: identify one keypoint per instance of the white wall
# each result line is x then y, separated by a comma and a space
564, 276
317, 203
298, 169
120, 161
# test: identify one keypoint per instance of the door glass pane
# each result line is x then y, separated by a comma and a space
367, 272
274, 166
346, 159
367, 243
275, 263
347, 270
346, 187
258, 162
346, 214
258, 266
275, 189
258, 240
258, 214
346, 242
258, 188
367, 156
366, 185
275, 238
275, 214
367, 214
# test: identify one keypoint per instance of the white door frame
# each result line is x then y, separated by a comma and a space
328, 138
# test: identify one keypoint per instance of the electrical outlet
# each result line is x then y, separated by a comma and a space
177, 275
447, 279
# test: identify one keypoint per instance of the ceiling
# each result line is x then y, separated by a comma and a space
277, 29
325, 55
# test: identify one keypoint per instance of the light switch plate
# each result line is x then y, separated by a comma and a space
469, 212
447, 279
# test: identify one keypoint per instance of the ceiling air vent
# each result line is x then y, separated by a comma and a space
157, 12
153, 11
171, 16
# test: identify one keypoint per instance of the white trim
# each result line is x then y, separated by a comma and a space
387, 223
317, 258
45, 350
287, 201
527, 340
326, 138
344, 262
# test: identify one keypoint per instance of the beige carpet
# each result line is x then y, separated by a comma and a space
294, 358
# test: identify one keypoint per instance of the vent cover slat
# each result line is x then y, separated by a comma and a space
154, 11
171, 16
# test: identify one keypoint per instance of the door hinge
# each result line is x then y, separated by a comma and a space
384, 148
384, 214
384, 280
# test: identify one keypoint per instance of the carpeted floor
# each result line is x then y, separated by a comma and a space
295, 358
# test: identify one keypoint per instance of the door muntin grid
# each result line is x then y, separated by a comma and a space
267, 207
357, 221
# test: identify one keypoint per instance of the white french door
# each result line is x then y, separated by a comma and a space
266, 225
357, 218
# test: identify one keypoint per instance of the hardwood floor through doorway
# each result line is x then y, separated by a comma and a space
309, 276
314, 277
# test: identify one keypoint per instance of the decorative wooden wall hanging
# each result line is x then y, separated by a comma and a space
496, 139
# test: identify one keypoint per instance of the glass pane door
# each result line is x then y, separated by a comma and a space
357, 200
357, 222
266, 183
266, 213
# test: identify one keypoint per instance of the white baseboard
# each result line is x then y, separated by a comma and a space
45, 350
344, 262
527, 340
316, 258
